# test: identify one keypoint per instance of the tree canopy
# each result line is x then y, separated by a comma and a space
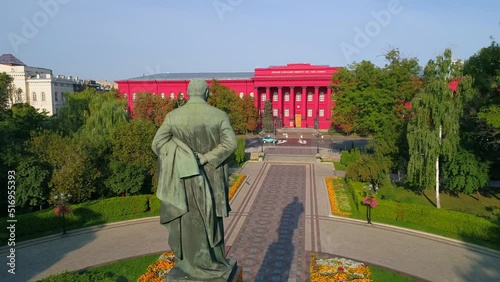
242, 113
433, 133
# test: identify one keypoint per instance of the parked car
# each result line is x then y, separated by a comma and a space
269, 140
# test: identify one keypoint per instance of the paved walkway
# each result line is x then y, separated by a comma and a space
279, 216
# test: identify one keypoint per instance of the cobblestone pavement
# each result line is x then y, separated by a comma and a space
270, 244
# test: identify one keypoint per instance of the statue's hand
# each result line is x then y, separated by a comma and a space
203, 159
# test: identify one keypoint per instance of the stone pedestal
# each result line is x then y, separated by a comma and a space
177, 275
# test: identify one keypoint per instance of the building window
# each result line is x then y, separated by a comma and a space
62, 96
251, 94
241, 95
309, 97
19, 99
275, 96
172, 95
287, 96
134, 96
162, 95
321, 113
34, 96
124, 95
55, 96
298, 97
309, 112
287, 112
322, 96
275, 112
43, 96
263, 97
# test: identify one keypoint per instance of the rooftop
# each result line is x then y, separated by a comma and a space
9, 59
201, 75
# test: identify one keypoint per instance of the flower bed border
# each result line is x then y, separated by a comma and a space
234, 188
337, 269
333, 199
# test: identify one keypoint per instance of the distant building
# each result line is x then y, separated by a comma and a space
107, 85
300, 94
37, 86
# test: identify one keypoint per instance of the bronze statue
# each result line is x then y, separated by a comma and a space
192, 146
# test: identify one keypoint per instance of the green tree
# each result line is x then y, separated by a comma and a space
131, 148
433, 133
242, 113
105, 112
33, 189
153, 108
351, 156
482, 122
221, 97
365, 169
125, 178
373, 101
250, 113
72, 115
6, 90
484, 67
267, 118
71, 164
465, 173
16, 126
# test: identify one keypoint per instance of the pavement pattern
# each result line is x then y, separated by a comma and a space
270, 245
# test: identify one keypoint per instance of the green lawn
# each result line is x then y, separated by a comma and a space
487, 205
339, 166
384, 275
122, 271
461, 217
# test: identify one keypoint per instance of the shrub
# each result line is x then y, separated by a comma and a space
154, 204
348, 157
240, 150
83, 277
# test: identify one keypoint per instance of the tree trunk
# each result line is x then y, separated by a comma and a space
438, 201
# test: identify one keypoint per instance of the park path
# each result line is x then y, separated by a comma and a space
270, 244
298, 223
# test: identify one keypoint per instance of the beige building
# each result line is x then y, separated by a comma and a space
37, 86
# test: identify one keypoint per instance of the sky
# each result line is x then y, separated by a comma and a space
114, 40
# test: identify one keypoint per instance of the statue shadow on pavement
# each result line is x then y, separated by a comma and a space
280, 254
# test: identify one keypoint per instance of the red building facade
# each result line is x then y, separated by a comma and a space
300, 93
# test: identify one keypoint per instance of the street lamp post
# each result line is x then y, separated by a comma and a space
317, 134
62, 208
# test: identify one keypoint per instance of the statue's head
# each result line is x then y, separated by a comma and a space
198, 88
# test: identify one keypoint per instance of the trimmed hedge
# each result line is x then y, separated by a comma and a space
45, 222
83, 277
